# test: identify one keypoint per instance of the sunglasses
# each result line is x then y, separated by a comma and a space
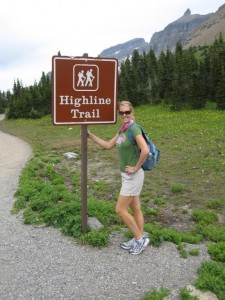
127, 113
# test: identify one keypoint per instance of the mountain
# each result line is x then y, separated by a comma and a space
208, 30
179, 30
122, 51
190, 30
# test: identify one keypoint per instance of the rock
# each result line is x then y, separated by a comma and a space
221, 219
94, 223
70, 155
201, 295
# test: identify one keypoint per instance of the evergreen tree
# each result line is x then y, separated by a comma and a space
139, 77
193, 81
169, 75
144, 87
165, 75
122, 82
162, 79
178, 94
204, 73
128, 80
30, 102
44, 91
197, 99
4, 101
220, 92
152, 75
217, 62
136, 78
16, 104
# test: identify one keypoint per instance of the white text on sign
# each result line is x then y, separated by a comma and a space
82, 101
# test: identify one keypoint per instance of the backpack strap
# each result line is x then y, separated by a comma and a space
130, 135
147, 139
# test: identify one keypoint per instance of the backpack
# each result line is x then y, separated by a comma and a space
154, 153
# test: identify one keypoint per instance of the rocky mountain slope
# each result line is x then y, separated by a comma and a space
179, 30
189, 30
122, 51
208, 30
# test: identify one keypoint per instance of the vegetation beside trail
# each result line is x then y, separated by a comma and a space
183, 198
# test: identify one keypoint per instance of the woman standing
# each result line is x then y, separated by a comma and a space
132, 176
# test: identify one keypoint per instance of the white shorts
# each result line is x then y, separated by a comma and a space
132, 183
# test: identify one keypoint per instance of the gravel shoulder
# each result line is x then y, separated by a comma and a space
40, 263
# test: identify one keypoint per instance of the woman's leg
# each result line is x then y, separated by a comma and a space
135, 205
122, 206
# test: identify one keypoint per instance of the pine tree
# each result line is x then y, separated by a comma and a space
44, 90
3, 101
220, 92
127, 79
178, 95
165, 75
204, 73
152, 75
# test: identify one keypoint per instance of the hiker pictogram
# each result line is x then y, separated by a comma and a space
81, 78
89, 78
85, 77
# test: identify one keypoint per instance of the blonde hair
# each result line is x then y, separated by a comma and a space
127, 103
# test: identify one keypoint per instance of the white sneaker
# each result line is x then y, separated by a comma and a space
139, 246
128, 245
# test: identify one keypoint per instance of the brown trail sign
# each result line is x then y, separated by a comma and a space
84, 91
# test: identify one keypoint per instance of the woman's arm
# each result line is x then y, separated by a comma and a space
105, 144
143, 155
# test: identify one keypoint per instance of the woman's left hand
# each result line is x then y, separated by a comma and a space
130, 170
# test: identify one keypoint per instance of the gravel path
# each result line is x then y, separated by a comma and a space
40, 263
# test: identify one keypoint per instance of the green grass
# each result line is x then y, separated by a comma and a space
156, 295
190, 174
192, 145
185, 295
186, 187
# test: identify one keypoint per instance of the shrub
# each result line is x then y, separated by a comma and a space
156, 295
212, 232
161, 202
96, 238
212, 278
194, 252
214, 204
204, 217
217, 251
177, 187
185, 295
191, 238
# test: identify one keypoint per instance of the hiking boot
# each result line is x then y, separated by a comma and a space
128, 245
139, 246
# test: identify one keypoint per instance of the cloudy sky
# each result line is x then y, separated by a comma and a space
31, 32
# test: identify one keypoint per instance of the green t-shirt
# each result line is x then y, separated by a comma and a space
126, 150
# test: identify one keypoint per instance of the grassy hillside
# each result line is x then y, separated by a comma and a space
192, 145
183, 199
